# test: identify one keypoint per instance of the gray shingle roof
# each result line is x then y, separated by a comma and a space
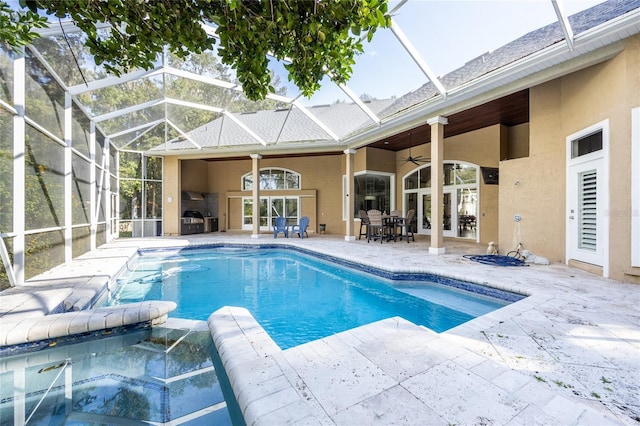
524, 46
282, 126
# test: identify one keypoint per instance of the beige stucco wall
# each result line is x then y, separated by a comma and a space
481, 147
535, 187
321, 195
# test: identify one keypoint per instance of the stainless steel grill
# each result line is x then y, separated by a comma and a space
192, 222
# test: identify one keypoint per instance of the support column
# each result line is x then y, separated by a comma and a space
171, 184
107, 188
437, 180
94, 200
68, 182
349, 228
255, 166
19, 133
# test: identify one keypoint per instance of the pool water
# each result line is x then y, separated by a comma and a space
159, 376
295, 297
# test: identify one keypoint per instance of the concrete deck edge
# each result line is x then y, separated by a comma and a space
259, 375
28, 330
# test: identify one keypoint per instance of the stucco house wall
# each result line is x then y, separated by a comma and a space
321, 195
535, 186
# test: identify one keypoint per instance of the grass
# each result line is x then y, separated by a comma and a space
562, 384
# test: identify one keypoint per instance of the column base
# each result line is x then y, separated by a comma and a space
256, 235
437, 250
349, 238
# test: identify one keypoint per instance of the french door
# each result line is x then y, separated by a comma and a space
270, 208
449, 214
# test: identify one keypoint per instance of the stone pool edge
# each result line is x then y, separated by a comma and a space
267, 388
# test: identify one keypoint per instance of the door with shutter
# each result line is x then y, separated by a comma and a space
585, 207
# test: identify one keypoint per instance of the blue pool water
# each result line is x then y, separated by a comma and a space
295, 297
153, 376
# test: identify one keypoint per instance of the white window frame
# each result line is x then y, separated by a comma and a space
392, 192
293, 172
453, 187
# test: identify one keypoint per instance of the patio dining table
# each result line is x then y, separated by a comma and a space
390, 225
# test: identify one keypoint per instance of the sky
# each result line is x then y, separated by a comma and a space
447, 34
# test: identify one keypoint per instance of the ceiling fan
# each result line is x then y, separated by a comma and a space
418, 160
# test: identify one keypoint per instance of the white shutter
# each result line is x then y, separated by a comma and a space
588, 207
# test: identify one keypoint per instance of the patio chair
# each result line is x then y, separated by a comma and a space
280, 226
406, 225
376, 228
301, 228
364, 223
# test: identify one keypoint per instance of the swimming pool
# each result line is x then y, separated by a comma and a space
297, 297
154, 376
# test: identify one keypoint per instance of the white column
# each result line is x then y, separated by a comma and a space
19, 131
255, 167
107, 187
93, 202
116, 167
437, 181
349, 160
68, 180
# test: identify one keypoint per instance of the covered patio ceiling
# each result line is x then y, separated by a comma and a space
196, 107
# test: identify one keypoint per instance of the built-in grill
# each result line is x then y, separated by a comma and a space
192, 222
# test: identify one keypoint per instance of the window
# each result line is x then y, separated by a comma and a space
586, 144
373, 191
273, 179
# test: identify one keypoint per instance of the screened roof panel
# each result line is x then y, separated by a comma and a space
385, 69
133, 119
57, 53
190, 90
454, 40
189, 118
452, 33
122, 140
121, 96
207, 64
150, 139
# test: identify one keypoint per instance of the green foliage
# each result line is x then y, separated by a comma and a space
318, 37
16, 26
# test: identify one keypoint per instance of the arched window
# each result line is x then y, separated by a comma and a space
273, 178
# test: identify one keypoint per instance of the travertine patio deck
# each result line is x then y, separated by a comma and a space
568, 354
